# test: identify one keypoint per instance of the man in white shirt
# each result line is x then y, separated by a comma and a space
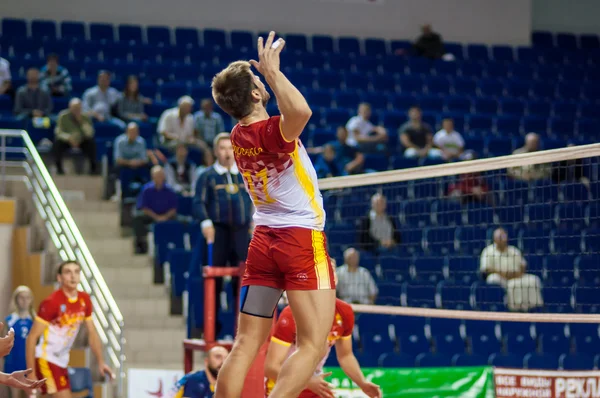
362, 131
5, 78
504, 265
355, 284
450, 142
176, 125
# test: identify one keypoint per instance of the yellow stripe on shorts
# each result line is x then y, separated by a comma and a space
321, 262
47, 374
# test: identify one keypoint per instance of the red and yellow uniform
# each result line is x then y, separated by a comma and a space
285, 334
288, 249
63, 317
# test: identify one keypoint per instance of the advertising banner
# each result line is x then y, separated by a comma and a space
472, 382
517, 383
152, 383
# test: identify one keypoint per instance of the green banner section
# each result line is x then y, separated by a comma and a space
471, 382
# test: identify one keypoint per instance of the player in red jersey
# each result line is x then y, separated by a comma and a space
283, 344
288, 247
56, 326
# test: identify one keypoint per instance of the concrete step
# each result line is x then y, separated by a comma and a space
91, 186
162, 321
157, 307
121, 260
111, 246
127, 291
96, 218
157, 359
133, 277
92, 205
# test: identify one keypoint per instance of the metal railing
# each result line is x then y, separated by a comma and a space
17, 155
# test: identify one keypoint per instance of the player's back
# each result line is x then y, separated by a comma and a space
279, 176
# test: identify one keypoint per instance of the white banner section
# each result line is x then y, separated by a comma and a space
152, 383
521, 383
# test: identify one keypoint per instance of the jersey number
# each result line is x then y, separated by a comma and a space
257, 184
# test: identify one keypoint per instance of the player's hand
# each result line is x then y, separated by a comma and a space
209, 234
106, 371
6, 342
372, 390
320, 386
268, 55
19, 380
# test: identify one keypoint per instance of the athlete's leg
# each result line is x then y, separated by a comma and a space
313, 312
62, 394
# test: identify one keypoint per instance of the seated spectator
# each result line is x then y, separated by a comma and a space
355, 284
569, 171
326, 164
531, 172
6, 79
378, 230
180, 171
209, 123
176, 125
451, 143
429, 44
130, 149
55, 78
417, 137
157, 202
504, 265
74, 130
31, 100
362, 132
349, 158
208, 159
98, 101
471, 187
130, 107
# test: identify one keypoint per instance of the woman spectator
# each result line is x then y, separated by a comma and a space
20, 320
130, 107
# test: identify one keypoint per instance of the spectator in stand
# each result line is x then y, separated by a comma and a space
569, 171
130, 148
180, 171
157, 202
503, 264
417, 137
99, 101
349, 158
355, 284
209, 123
429, 44
470, 188
6, 87
176, 125
378, 230
326, 164
130, 107
451, 143
224, 210
362, 132
532, 172
31, 100
55, 78
74, 130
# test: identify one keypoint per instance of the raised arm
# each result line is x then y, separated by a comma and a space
294, 109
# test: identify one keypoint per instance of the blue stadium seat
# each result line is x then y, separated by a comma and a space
477, 327
588, 267
429, 360
465, 86
576, 361
12, 27
214, 38
507, 360
396, 360
366, 358
445, 326
336, 117
473, 238
458, 104
184, 206
542, 39
159, 35
503, 53
106, 130
412, 344
496, 70
356, 81
376, 344
186, 37
179, 263
480, 214
556, 344
296, 42
441, 239
567, 241
513, 107
489, 297
478, 52
586, 343
455, 49
375, 46
449, 344
167, 235
429, 268
400, 162
341, 234
102, 32
491, 88
462, 270
586, 299
469, 360
410, 85
519, 343
443, 68
557, 299
539, 108
447, 212
130, 33
417, 213
72, 30
419, 294
486, 106
541, 90
43, 29
431, 103
544, 361
321, 98
485, 344
566, 41
589, 42
348, 45
329, 80
500, 146
322, 44
400, 45
591, 91
322, 136
242, 39
522, 72
418, 65
471, 70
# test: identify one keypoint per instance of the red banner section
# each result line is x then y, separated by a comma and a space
521, 383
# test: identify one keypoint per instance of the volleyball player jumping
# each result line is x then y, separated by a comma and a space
288, 248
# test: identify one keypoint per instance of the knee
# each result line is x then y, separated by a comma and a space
246, 345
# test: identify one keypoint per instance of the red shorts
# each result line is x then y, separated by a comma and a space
57, 378
288, 258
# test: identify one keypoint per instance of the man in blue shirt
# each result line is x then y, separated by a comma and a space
208, 123
348, 158
201, 384
129, 149
157, 202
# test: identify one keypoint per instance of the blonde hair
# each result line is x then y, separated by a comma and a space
14, 307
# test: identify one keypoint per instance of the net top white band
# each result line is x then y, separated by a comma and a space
471, 166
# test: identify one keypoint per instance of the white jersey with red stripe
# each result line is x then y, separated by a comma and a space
278, 175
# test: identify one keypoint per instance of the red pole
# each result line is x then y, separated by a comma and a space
209, 310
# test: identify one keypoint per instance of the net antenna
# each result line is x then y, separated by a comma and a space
551, 219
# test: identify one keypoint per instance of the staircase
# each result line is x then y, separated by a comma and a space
154, 338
